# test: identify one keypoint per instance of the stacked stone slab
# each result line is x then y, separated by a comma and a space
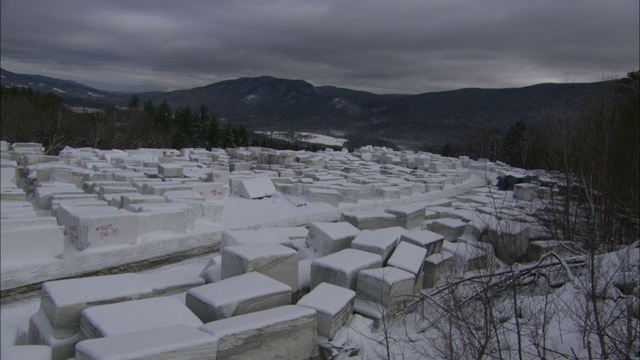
237, 295
274, 260
342, 268
328, 238
382, 241
333, 305
286, 332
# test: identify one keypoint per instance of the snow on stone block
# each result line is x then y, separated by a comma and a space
101, 229
436, 266
31, 352
12, 194
369, 220
331, 197
276, 261
43, 194
210, 211
178, 195
381, 242
256, 188
525, 191
211, 190
342, 268
388, 286
408, 257
170, 170
166, 343
70, 176
509, 240
132, 316
537, 249
388, 192
333, 306
30, 245
218, 176
172, 220
286, 332
451, 229
426, 239
238, 295
9, 174
153, 188
64, 300
327, 238
163, 208
170, 282
253, 237
104, 190
408, 216
212, 272
135, 198
41, 333
466, 257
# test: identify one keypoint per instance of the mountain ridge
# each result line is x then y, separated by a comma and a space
269, 103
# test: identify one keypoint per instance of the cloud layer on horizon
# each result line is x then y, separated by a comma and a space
380, 46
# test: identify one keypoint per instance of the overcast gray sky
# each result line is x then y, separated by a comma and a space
390, 46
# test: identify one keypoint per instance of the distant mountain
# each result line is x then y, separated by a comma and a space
268, 103
75, 93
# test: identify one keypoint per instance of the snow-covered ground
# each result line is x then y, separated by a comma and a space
448, 320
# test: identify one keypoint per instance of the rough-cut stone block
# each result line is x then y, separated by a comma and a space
510, 241
30, 245
426, 239
218, 176
41, 333
451, 229
388, 192
276, 261
327, 238
253, 237
381, 242
342, 268
167, 343
369, 220
135, 198
408, 257
466, 257
408, 216
64, 300
333, 306
170, 170
238, 295
256, 188
102, 228
211, 190
388, 286
286, 332
132, 316
331, 197
436, 266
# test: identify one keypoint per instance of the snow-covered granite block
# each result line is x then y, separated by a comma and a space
408, 216
170, 170
166, 343
43, 193
381, 242
408, 257
286, 332
170, 282
11, 335
333, 306
132, 316
331, 197
218, 176
31, 352
388, 286
466, 257
41, 333
426, 239
342, 268
253, 237
388, 192
135, 198
30, 245
210, 211
153, 188
238, 295
369, 220
436, 266
256, 188
327, 238
451, 229
211, 190
276, 261
102, 228
64, 300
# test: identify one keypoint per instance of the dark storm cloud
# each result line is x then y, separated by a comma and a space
381, 46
